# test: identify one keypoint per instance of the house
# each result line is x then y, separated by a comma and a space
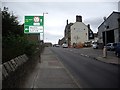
80, 33
76, 33
48, 44
68, 33
109, 30
61, 41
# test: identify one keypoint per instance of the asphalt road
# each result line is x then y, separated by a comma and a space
88, 73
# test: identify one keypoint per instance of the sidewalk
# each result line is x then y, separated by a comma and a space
97, 54
52, 74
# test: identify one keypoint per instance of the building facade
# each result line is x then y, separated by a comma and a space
61, 41
76, 33
67, 33
80, 32
109, 30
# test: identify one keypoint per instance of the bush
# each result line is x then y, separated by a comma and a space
14, 42
14, 46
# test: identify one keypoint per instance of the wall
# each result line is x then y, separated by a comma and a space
112, 22
79, 33
12, 71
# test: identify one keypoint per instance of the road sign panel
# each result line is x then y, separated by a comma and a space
33, 24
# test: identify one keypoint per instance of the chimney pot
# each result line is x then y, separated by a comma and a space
67, 21
88, 26
78, 18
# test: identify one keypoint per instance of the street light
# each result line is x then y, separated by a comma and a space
43, 24
105, 30
105, 48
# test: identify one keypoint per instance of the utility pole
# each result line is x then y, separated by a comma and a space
105, 48
43, 25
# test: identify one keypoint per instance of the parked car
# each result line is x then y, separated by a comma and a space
56, 45
111, 46
117, 49
94, 45
87, 44
64, 45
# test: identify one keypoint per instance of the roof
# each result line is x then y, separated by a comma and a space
110, 16
68, 26
81, 23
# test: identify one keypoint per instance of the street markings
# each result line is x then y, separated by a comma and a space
81, 54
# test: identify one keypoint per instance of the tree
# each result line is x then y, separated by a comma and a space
14, 42
10, 24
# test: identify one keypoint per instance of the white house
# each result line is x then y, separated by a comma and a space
80, 32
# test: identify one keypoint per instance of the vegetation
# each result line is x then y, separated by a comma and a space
14, 42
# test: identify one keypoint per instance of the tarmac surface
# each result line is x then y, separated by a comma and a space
88, 72
97, 54
49, 73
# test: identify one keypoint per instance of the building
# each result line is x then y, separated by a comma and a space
95, 37
76, 33
80, 33
61, 41
119, 6
67, 33
48, 44
109, 30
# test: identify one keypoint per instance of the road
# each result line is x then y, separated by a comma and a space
88, 73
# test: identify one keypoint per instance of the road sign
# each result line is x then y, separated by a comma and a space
33, 24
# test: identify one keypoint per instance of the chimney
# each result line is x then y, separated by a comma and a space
78, 18
88, 26
67, 21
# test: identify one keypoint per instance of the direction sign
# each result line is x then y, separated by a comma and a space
33, 24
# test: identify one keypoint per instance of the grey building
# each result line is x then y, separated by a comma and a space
109, 30
67, 33
61, 41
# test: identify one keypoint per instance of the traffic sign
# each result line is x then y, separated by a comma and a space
33, 24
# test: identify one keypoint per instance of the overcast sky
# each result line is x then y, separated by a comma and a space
58, 12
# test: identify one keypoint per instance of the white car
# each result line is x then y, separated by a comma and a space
64, 45
94, 45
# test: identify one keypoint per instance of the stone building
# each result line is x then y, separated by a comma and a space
109, 30
76, 33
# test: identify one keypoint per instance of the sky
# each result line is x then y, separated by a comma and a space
92, 13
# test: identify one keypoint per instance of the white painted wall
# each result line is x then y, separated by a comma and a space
79, 33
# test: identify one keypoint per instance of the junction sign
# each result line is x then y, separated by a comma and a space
33, 24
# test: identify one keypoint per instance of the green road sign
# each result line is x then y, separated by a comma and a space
33, 24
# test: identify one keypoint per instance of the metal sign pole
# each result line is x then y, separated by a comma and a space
43, 25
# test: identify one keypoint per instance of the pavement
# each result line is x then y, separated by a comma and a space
50, 73
97, 54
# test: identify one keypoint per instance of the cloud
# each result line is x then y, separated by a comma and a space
49, 37
59, 0
95, 22
58, 13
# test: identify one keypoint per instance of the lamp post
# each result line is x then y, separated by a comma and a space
105, 31
105, 48
43, 25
